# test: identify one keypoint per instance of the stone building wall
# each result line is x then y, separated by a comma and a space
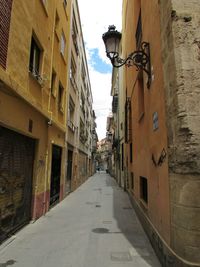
180, 34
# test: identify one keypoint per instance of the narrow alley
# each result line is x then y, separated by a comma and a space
95, 226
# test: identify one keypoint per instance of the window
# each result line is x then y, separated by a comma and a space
53, 83
71, 114
140, 95
128, 120
75, 34
144, 189
57, 24
62, 44
83, 72
57, 19
122, 158
60, 97
72, 69
138, 34
82, 132
82, 102
65, 3
34, 63
132, 181
131, 152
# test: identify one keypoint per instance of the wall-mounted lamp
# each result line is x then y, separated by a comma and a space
139, 58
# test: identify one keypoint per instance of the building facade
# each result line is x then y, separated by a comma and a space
118, 103
161, 129
81, 119
33, 90
41, 110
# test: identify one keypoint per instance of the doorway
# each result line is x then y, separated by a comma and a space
55, 174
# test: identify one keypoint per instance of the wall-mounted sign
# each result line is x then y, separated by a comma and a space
155, 121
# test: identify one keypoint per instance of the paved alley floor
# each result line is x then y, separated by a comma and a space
95, 226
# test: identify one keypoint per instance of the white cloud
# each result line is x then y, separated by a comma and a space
96, 16
101, 86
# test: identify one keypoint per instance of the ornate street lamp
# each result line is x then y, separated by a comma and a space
139, 58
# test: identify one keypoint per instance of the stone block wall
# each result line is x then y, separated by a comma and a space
180, 34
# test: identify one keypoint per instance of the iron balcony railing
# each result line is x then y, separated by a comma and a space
71, 126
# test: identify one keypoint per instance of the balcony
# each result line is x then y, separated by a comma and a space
115, 103
71, 126
83, 137
73, 83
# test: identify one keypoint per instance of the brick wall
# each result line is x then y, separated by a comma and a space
5, 15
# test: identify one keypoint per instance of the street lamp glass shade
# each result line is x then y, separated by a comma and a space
111, 40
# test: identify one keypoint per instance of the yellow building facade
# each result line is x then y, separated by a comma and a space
162, 138
34, 64
81, 120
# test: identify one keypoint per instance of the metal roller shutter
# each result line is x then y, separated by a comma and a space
16, 167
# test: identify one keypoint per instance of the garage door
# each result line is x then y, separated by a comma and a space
16, 167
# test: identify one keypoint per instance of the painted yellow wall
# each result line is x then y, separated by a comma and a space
23, 98
147, 142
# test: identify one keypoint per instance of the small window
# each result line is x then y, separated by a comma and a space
62, 44
35, 54
71, 111
65, 3
144, 189
83, 72
57, 23
53, 83
131, 152
132, 181
72, 68
140, 95
138, 34
126, 122
60, 97
82, 102
75, 34
122, 157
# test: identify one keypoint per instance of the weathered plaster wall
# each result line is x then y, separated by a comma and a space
180, 23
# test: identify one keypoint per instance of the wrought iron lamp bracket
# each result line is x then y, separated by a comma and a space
139, 58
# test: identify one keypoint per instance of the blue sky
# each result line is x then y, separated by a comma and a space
97, 63
95, 21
